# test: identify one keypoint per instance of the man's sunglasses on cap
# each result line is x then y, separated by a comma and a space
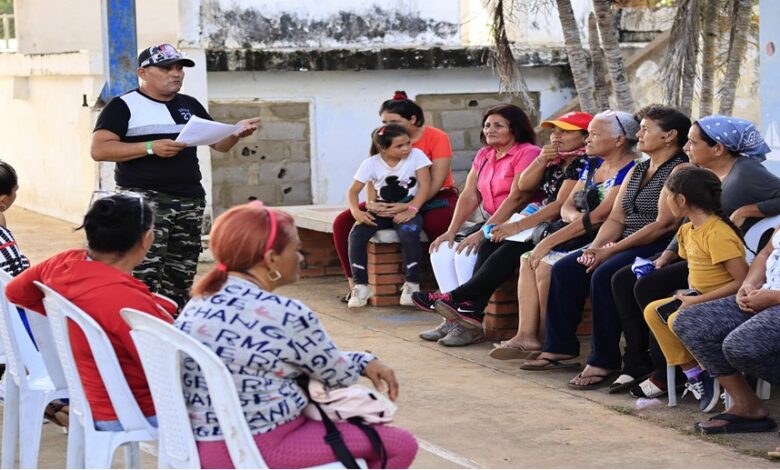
163, 54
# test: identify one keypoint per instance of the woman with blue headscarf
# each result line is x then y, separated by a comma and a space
733, 149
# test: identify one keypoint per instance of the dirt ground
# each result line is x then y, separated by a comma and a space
467, 409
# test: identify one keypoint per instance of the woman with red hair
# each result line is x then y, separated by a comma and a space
267, 341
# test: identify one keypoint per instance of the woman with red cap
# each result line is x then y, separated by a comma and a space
554, 173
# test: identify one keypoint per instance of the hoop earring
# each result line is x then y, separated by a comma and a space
274, 275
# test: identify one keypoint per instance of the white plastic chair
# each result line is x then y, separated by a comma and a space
752, 238
30, 384
161, 346
88, 447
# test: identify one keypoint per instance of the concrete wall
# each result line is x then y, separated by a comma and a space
315, 23
41, 29
44, 129
345, 104
272, 165
769, 48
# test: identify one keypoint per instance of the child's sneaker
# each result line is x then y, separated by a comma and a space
407, 291
426, 300
359, 296
462, 313
435, 334
459, 336
705, 389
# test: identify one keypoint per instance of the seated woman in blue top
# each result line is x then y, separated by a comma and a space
602, 176
638, 225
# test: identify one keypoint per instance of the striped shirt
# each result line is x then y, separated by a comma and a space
135, 117
12, 260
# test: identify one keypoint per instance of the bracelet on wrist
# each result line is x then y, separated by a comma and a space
413, 209
149, 150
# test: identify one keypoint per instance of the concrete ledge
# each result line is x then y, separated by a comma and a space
319, 60
320, 219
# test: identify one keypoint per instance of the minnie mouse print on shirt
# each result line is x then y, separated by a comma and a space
393, 184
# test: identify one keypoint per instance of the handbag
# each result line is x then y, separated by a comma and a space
465, 232
585, 201
357, 405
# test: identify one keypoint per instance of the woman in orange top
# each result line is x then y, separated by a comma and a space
435, 144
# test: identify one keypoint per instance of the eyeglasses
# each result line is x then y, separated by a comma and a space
272, 219
102, 193
623, 129
161, 53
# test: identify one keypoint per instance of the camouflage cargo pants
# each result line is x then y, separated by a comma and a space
170, 265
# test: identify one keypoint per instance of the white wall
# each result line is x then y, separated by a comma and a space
44, 134
345, 105
280, 24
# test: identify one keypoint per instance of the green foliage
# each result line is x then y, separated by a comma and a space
6, 6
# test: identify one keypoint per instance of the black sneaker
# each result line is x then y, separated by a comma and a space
463, 313
705, 389
425, 300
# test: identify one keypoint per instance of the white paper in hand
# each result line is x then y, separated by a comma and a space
522, 236
200, 131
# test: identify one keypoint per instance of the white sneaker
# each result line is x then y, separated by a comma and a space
359, 296
407, 290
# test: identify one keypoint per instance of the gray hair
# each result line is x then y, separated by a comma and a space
620, 123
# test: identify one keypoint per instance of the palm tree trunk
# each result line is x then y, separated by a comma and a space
738, 42
599, 67
609, 38
709, 44
691, 56
577, 59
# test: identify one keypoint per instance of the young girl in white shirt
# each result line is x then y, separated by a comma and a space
400, 178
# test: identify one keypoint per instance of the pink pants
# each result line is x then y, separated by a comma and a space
435, 222
300, 444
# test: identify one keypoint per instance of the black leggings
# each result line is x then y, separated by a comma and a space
495, 263
631, 297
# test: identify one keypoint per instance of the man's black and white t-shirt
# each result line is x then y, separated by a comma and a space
135, 117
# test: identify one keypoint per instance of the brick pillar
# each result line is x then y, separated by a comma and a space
501, 313
385, 272
319, 255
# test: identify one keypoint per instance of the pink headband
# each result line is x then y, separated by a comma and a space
272, 217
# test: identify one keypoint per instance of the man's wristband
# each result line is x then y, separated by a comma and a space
149, 150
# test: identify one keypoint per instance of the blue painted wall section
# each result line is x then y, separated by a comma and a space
120, 41
769, 48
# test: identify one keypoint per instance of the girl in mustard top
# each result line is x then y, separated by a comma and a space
715, 251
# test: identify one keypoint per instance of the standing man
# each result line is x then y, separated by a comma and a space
137, 131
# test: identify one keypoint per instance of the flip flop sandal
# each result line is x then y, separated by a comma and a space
55, 414
550, 364
737, 424
601, 380
504, 352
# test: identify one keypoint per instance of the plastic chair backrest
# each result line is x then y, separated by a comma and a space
21, 354
161, 346
754, 234
59, 310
